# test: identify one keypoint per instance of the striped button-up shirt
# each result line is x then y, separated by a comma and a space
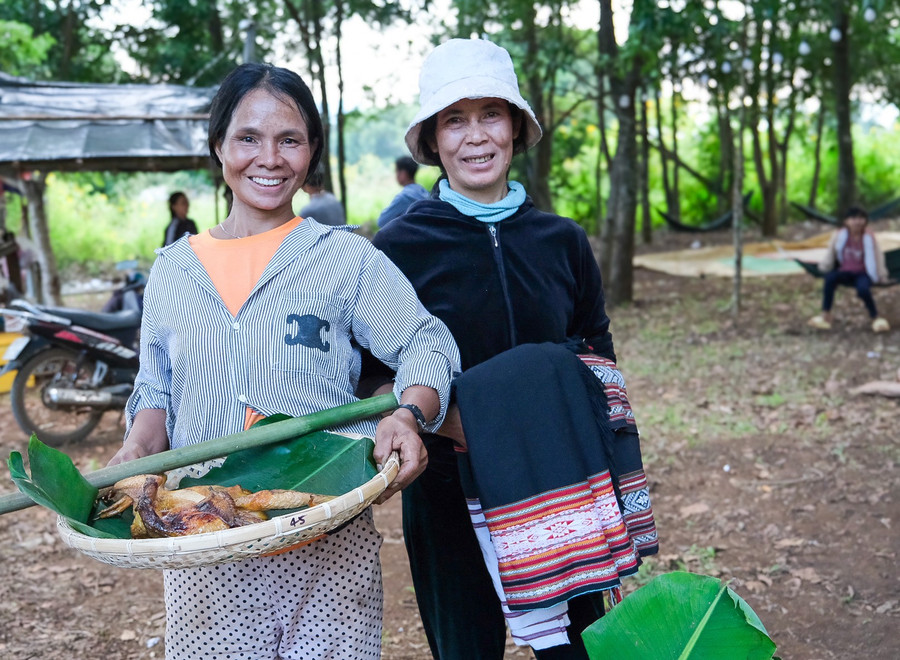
292, 346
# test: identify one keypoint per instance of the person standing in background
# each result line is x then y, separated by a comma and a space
323, 206
412, 191
180, 223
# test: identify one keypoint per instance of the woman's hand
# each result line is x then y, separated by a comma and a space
147, 436
452, 427
400, 432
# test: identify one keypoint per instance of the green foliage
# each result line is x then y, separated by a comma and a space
378, 133
81, 50
679, 616
199, 42
54, 482
322, 462
21, 53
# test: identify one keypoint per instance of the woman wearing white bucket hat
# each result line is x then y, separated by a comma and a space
500, 273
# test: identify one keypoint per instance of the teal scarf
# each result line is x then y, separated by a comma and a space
485, 212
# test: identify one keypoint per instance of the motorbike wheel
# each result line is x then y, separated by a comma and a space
54, 425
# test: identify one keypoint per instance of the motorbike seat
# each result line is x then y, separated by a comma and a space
130, 318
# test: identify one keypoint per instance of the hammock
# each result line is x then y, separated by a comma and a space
891, 260
719, 223
882, 211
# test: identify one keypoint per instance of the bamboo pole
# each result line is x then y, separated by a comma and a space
258, 436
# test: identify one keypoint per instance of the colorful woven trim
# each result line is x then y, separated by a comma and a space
620, 412
561, 543
638, 513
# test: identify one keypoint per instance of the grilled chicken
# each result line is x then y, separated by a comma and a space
160, 512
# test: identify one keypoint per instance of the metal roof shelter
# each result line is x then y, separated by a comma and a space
70, 127
64, 127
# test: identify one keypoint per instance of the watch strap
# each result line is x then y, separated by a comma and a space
417, 413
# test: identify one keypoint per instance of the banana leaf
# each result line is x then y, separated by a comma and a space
321, 462
55, 482
679, 616
259, 435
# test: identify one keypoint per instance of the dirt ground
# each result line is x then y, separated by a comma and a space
765, 470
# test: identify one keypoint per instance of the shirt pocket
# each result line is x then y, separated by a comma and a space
309, 336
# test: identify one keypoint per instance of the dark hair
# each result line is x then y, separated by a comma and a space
173, 199
856, 212
316, 178
277, 80
408, 165
429, 128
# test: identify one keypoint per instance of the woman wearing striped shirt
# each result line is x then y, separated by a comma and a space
264, 314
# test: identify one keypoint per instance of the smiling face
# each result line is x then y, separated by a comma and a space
474, 139
265, 156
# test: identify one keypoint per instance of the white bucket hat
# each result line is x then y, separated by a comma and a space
467, 69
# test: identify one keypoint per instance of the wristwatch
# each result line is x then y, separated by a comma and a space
417, 413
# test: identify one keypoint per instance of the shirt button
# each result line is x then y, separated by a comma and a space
236, 325
242, 398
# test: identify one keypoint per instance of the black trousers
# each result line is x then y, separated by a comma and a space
457, 602
859, 281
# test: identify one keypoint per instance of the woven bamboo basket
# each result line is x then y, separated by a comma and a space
260, 539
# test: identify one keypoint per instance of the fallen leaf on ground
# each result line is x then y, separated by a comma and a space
694, 509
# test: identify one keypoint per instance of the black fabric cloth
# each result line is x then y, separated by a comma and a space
177, 228
537, 410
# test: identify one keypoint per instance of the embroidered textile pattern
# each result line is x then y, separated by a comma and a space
638, 513
620, 412
560, 543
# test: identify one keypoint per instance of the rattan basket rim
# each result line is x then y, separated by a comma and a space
221, 546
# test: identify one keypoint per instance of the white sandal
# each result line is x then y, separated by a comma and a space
819, 322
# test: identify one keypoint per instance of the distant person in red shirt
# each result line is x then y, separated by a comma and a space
180, 223
853, 259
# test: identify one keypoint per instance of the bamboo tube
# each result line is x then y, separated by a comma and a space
256, 437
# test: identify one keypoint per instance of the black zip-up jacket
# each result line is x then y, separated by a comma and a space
531, 278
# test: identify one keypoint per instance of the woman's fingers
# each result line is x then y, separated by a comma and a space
392, 435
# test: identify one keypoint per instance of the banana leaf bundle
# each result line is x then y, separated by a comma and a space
278, 453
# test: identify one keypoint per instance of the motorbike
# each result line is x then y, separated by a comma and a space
72, 365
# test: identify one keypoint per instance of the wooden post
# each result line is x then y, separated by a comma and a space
50, 290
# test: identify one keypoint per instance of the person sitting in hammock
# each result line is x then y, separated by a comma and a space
853, 259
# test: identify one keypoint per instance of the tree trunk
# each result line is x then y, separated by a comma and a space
782, 149
737, 218
671, 208
617, 247
541, 157
49, 290
725, 177
68, 38
644, 183
342, 152
309, 23
817, 158
675, 202
603, 155
214, 25
766, 183
843, 84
